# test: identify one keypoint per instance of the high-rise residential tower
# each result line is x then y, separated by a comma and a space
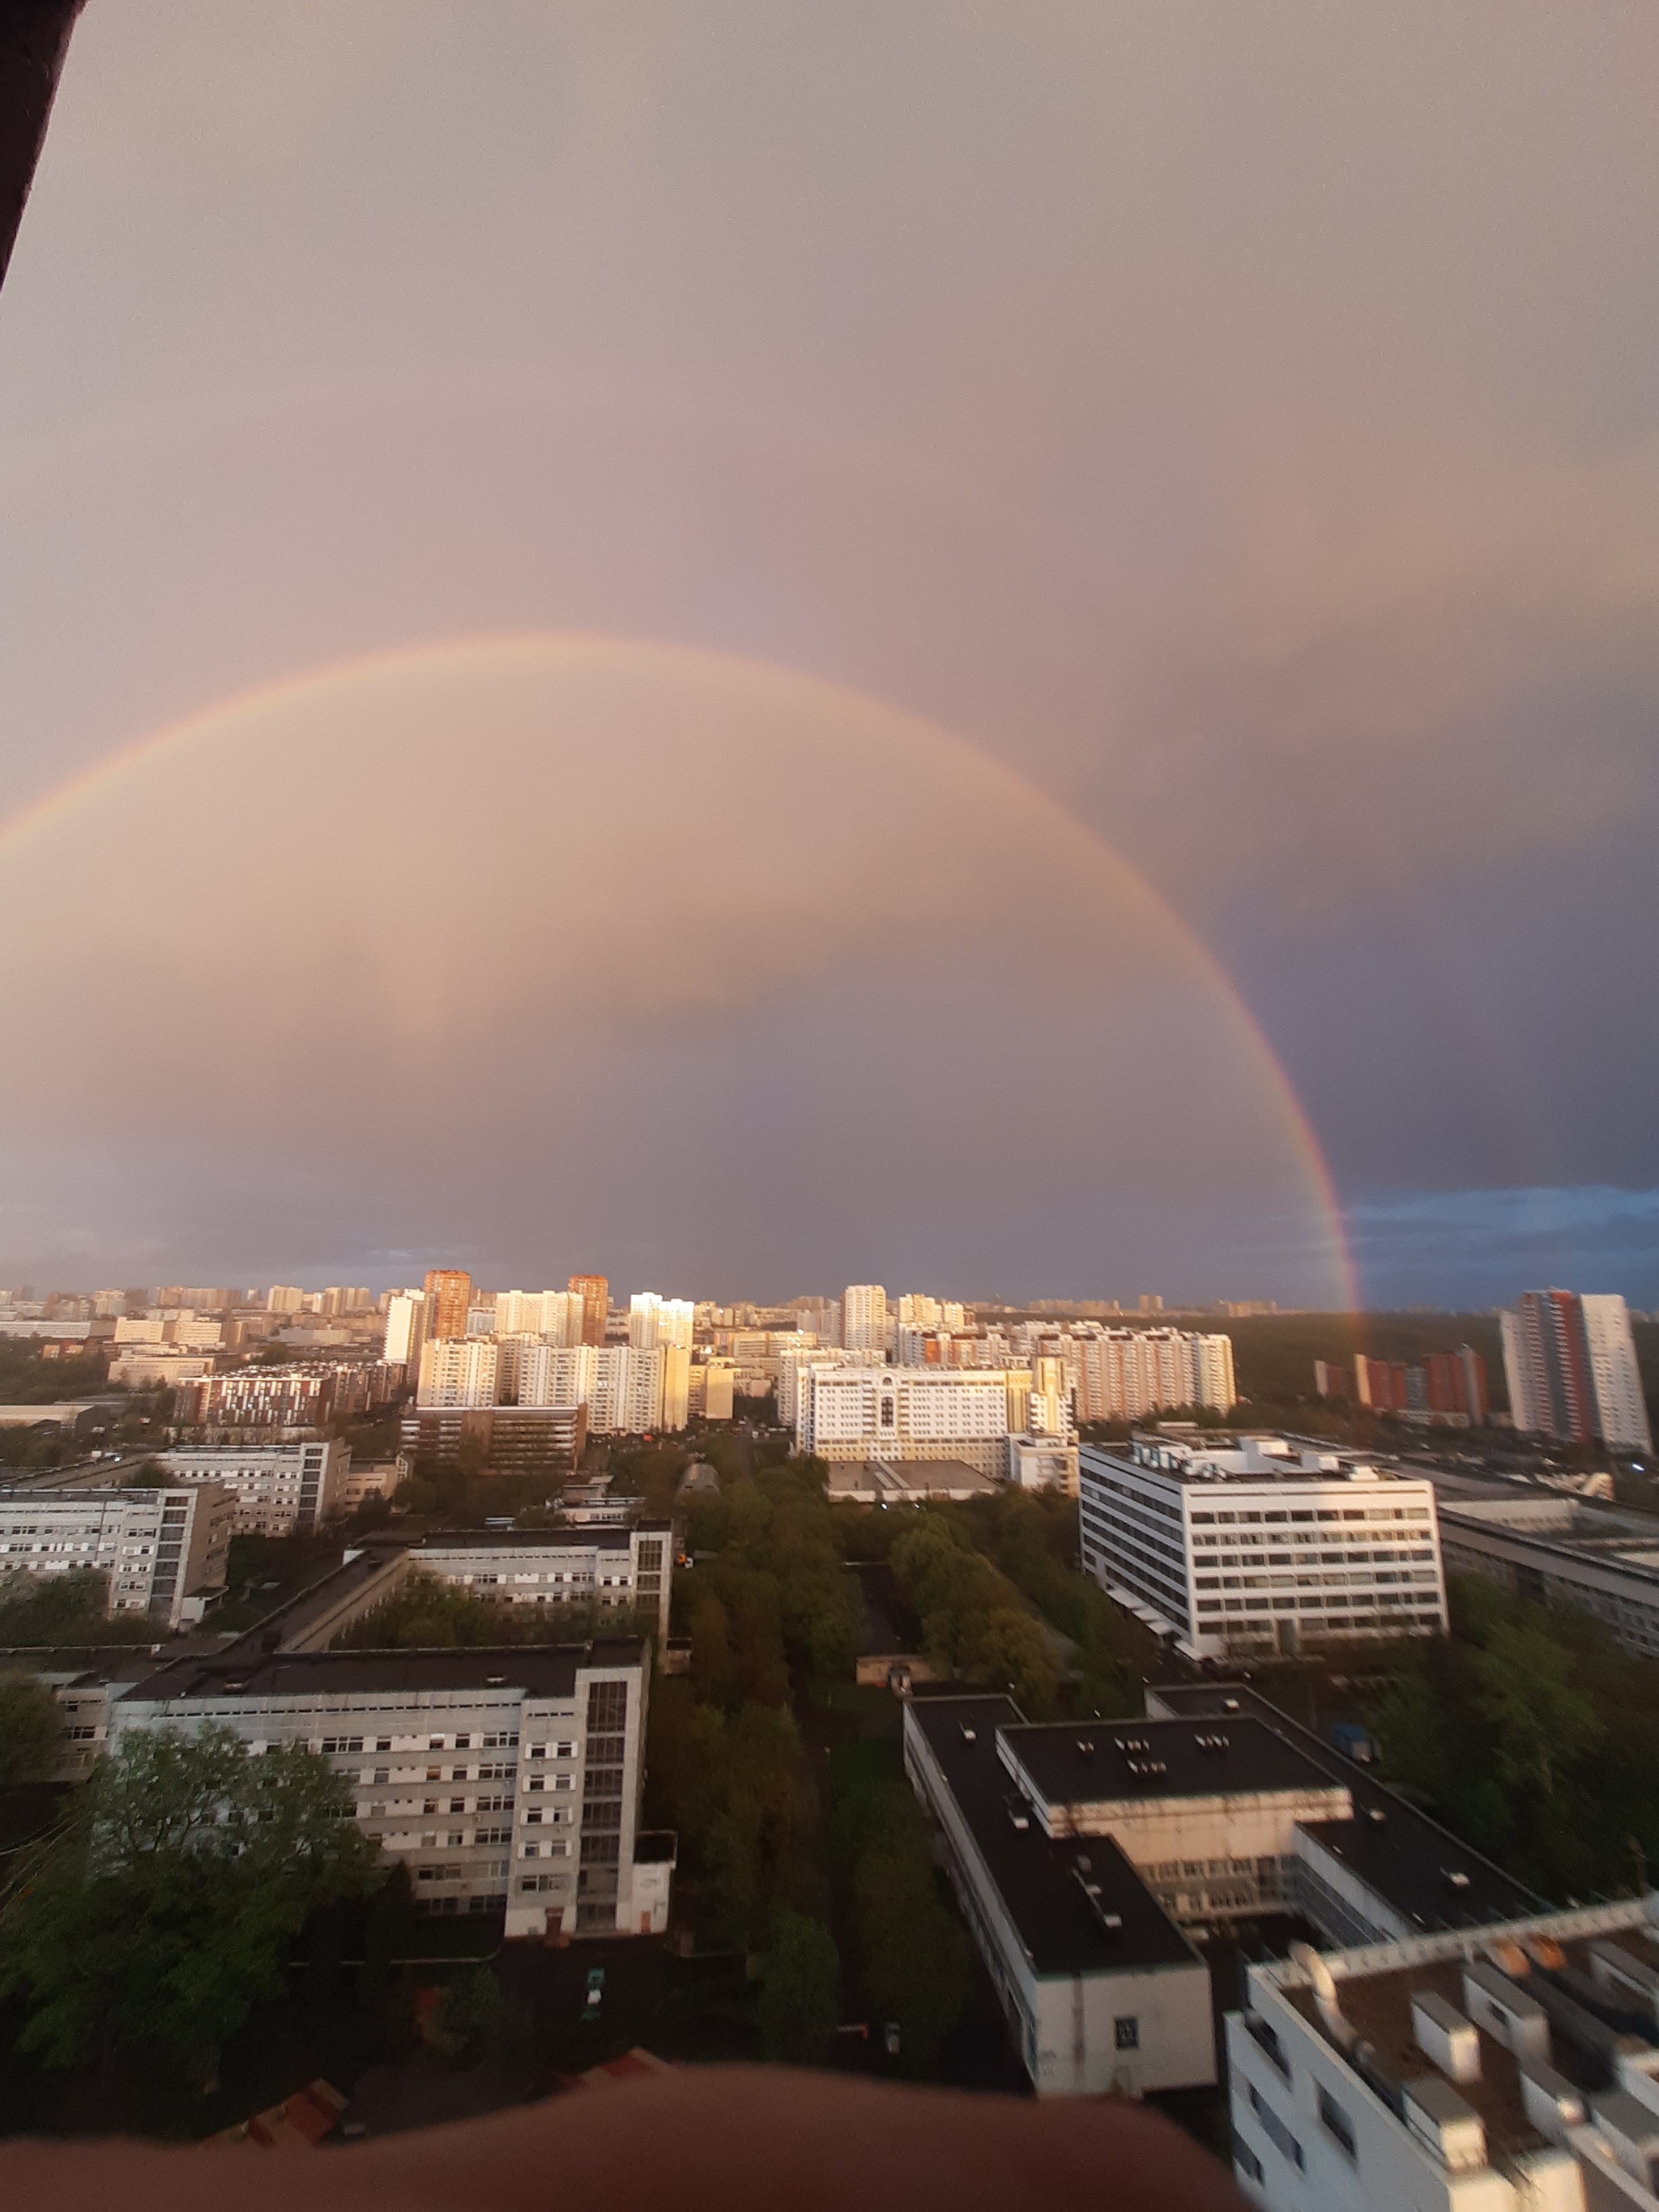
449, 1300
594, 1291
652, 1321
863, 1319
1570, 1365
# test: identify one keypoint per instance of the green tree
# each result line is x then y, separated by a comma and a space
800, 1980
29, 1723
914, 1950
1528, 1693
42, 1610
164, 1907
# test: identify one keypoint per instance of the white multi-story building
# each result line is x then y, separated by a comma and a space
276, 1490
163, 1366
863, 1319
1509, 2068
459, 1370
1258, 1544
652, 1321
406, 1331
627, 1391
162, 1551
503, 1779
608, 1568
868, 1412
1103, 1991
554, 1315
1127, 1374
1621, 1409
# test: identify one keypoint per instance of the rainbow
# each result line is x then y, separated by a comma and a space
221, 718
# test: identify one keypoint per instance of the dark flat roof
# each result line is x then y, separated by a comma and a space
1256, 1760
542, 1669
1406, 1856
1036, 1876
606, 1536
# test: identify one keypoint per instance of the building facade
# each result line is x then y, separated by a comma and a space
594, 1291
511, 1439
864, 1320
505, 1780
458, 1371
1102, 1991
448, 1301
1514, 2068
275, 1490
162, 1552
1570, 1365
869, 1412
1260, 1545
1127, 1374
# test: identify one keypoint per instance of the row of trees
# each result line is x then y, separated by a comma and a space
37, 1611
425, 1612
1535, 1738
772, 1614
974, 1622
775, 1618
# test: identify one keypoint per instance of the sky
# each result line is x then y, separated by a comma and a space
1235, 427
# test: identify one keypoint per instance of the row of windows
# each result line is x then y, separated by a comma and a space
1332, 2117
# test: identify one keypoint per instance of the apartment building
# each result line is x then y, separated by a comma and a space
506, 1780
162, 1552
864, 1320
458, 1371
275, 1489
1511, 2069
1570, 1365
511, 1439
628, 1389
1128, 1374
270, 1401
897, 1413
1256, 1544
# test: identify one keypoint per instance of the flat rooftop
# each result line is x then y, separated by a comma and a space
1041, 1881
1379, 2004
590, 1537
1070, 1764
908, 1478
543, 1670
1405, 1856
1246, 1459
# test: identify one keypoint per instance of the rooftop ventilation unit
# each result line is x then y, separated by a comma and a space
1110, 1923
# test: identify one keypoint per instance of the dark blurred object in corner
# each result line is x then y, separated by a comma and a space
34, 37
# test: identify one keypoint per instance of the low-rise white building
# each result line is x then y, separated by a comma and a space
1513, 2068
277, 1490
162, 1552
1247, 1544
505, 1780
1102, 1991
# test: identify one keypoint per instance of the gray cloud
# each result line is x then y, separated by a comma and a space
1240, 421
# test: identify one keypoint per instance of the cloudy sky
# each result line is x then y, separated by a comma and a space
1237, 425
